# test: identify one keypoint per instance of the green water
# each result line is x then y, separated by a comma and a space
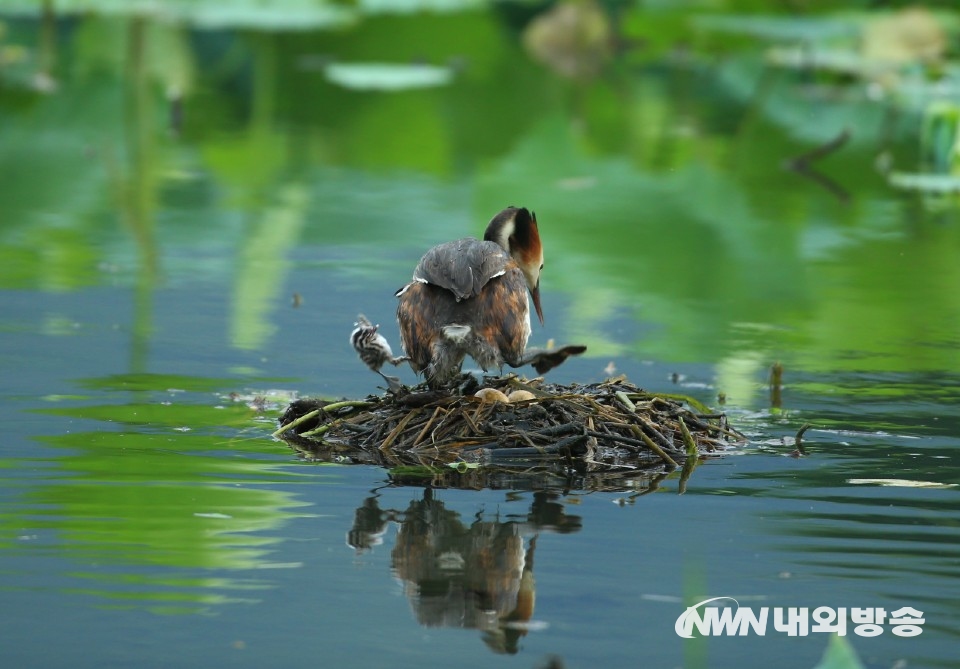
194, 206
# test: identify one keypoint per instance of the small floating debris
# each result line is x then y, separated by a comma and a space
612, 426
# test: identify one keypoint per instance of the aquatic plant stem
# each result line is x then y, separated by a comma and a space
299, 421
652, 445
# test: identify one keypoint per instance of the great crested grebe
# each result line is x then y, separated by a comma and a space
469, 297
374, 350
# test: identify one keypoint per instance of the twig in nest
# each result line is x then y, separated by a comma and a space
385, 446
625, 401
426, 427
653, 446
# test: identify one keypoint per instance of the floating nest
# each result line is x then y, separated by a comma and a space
597, 434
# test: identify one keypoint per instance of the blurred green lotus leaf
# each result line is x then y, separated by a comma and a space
815, 29
411, 6
940, 137
927, 183
275, 15
840, 654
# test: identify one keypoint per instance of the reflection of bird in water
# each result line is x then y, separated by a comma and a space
374, 350
477, 576
546, 513
504, 638
469, 297
369, 526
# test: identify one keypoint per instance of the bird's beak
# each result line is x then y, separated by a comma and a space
535, 294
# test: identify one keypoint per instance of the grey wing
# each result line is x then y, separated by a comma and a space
463, 267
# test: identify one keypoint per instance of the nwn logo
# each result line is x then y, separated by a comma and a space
717, 621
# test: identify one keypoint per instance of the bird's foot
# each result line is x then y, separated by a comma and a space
393, 383
543, 361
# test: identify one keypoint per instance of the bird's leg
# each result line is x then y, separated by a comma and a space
543, 360
399, 360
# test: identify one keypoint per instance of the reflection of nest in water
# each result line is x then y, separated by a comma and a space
612, 429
